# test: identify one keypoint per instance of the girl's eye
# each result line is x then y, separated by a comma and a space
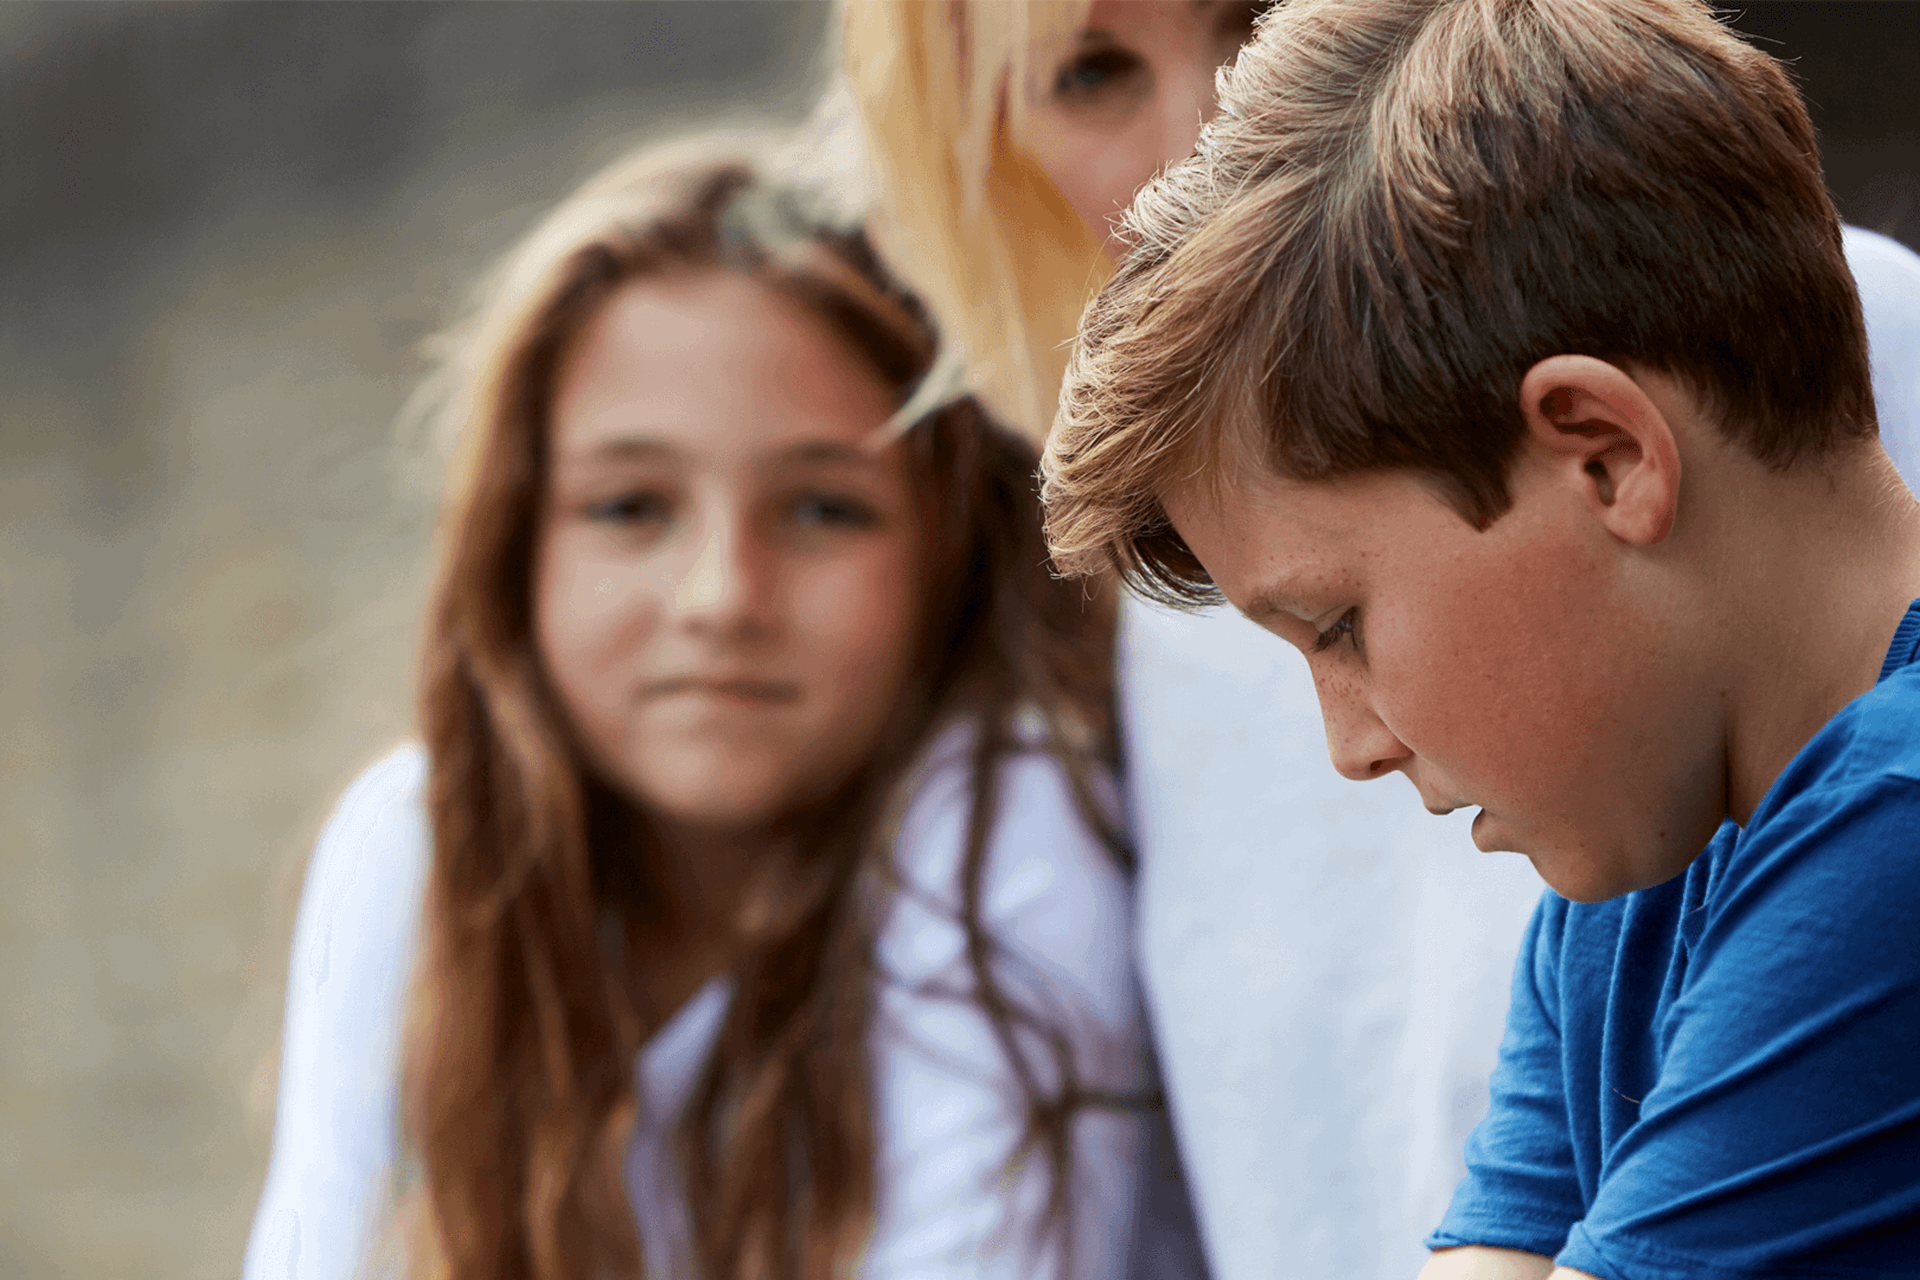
640, 507
1344, 629
1095, 72
817, 511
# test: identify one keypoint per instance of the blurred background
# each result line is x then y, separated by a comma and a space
227, 230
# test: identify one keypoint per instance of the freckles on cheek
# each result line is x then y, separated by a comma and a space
1447, 656
1521, 668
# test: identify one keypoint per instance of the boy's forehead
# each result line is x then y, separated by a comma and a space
1264, 537
1239, 498
1278, 544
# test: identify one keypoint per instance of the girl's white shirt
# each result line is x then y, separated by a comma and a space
949, 1107
1326, 964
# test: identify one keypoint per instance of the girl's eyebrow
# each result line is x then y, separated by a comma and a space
828, 453
623, 447
810, 453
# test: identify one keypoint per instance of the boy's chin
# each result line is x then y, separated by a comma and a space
1576, 875
1570, 868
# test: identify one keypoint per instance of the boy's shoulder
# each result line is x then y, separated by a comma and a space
1850, 795
1666, 1100
1870, 740
1824, 878
1851, 792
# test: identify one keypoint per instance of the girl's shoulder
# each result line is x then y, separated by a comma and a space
359, 912
335, 1125
1050, 889
954, 1074
385, 799
378, 827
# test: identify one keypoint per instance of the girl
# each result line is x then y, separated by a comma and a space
1327, 973
752, 875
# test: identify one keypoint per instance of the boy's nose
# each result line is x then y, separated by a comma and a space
1364, 755
1360, 743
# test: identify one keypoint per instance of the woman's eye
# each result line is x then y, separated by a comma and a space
1344, 629
635, 508
1095, 72
812, 511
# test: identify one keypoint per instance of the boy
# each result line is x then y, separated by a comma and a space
1501, 355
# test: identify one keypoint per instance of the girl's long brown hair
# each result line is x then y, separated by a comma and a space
520, 1092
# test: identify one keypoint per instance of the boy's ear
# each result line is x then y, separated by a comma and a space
1593, 422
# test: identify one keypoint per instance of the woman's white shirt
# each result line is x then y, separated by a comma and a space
949, 1109
1326, 964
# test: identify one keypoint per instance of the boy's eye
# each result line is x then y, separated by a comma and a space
823, 511
1096, 72
1343, 629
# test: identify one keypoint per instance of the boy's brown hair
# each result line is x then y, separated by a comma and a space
1401, 208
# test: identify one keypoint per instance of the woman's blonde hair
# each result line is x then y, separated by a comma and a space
964, 210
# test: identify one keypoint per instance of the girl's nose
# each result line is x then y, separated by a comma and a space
727, 586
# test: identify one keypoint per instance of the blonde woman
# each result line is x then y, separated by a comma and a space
1326, 968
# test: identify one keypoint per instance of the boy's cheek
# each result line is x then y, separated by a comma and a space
1505, 681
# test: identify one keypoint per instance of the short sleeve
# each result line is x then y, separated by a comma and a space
1522, 1189
1785, 1124
950, 1109
335, 1120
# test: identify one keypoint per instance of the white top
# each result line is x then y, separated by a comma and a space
1888, 274
1326, 963
949, 1108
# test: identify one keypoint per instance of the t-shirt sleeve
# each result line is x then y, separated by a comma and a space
950, 1107
1522, 1189
1785, 1124
335, 1119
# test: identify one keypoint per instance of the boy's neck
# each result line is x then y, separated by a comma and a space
1818, 569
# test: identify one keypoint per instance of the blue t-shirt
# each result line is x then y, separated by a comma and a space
1720, 1076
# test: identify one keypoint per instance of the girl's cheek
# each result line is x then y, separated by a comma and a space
862, 612
589, 603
